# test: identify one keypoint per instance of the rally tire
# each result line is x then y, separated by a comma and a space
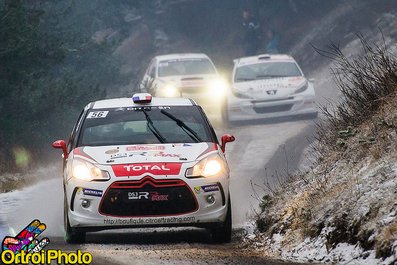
72, 236
223, 232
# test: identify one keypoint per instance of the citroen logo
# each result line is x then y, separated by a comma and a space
271, 92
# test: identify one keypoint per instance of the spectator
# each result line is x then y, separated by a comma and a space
251, 36
272, 45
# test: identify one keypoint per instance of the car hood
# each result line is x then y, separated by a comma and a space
273, 88
127, 154
189, 80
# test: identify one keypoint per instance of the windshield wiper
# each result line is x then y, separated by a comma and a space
152, 128
189, 131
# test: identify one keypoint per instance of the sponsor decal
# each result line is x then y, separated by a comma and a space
271, 92
145, 195
138, 195
155, 196
184, 145
148, 221
120, 155
147, 168
206, 188
91, 192
162, 154
145, 148
112, 151
27, 248
97, 114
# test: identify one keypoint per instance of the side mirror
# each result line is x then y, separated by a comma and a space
226, 138
60, 144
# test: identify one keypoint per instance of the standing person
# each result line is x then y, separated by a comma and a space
251, 36
274, 41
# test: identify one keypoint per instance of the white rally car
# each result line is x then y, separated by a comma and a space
269, 86
190, 75
145, 162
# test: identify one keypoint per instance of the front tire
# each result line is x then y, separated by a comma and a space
223, 232
72, 236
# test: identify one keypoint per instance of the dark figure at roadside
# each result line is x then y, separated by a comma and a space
272, 45
251, 38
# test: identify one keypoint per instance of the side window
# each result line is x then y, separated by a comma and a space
73, 135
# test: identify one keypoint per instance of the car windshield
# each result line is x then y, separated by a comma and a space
119, 126
266, 71
200, 66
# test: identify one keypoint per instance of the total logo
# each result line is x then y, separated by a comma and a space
139, 169
153, 196
130, 168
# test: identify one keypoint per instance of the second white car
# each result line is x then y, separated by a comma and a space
269, 86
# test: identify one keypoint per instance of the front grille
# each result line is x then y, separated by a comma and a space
148, 197
279, 108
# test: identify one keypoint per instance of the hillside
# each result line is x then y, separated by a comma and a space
343, 207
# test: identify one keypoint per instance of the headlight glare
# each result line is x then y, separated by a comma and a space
218, 87
88, 172
212, 167
208, 167
170, 91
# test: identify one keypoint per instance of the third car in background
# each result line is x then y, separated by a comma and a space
189, 75
269, 86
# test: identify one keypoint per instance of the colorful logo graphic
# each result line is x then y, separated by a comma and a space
27, 248
27, 239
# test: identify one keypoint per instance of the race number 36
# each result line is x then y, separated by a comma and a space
97, 114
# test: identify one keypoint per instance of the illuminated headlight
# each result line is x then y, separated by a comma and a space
302, 88
210, 166
169, 91
218, 87
86, 171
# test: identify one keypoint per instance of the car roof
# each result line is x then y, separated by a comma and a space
181, 56
263, 58
128, 102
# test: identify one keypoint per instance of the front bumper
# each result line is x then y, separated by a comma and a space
92, 218
250, 109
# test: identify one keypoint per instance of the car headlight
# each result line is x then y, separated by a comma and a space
86, 171
240, 94
208, 167
218, 87
302, 88
169, 91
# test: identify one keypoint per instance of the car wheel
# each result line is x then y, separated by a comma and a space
72, 236
223, 232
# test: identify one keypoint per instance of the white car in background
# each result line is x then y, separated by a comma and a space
269, 86
188, 75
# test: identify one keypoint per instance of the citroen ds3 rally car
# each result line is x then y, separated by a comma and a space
190, 75
145, 162
269, 86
